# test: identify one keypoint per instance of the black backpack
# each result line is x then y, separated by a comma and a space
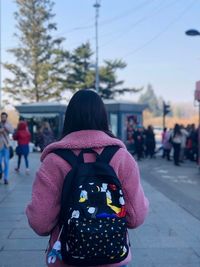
92, 217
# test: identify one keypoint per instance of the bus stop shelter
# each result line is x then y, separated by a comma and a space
37, 113
123, 117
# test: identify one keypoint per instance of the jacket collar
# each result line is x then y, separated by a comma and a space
83, 139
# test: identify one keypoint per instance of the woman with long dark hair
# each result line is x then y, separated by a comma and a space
86, 111
176, 141
85, 128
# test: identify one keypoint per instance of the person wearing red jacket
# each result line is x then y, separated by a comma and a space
22, 136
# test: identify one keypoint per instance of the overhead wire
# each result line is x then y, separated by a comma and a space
126, 13
165, 29
115, 18
108, 21
139, 21
144, 4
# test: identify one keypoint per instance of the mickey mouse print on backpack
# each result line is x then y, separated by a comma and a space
93, 218
90, 190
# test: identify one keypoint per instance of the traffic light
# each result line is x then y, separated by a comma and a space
166, 109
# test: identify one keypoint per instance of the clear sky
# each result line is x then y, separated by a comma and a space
147, 34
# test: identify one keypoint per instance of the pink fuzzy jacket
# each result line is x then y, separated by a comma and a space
43, 210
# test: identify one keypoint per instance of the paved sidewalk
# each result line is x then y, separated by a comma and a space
170, 236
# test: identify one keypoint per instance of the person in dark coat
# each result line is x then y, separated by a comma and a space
139, 142
48, 135
44, 136
150, 142
176, 141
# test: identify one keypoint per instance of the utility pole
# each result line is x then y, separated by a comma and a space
97, 6
166, 110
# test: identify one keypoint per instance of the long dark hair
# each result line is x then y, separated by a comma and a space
86, 111
177, 129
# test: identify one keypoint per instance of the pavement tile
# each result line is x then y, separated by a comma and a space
24, 233
140, 258
174, 256
174, 265
170, 236
22, 259
4, 233
25, 244
15, 224
10, 217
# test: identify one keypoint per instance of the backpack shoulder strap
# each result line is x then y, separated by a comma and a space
67, 155
108, 153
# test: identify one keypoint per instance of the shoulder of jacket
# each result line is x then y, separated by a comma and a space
122, 155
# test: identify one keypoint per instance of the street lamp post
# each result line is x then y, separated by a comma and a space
97, 6
194, 32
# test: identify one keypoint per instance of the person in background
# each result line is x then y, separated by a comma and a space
185, 134
23, 137
5, 129
176, 141
167, 145
150, 142
163, 138
139, 142
38, 138
47, 135
193, 143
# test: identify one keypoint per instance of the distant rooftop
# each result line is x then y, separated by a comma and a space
49, 107
114, 101
43, 104
106, 101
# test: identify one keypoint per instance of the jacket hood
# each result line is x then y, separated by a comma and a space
22, 125
83, 139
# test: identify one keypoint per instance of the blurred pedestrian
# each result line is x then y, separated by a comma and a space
167, 144
192, 143
150, 142
189, 128
195, 144
47, 135
162, 140
5, 129
23, 137
176, 138
39, 138
184, 136
139, 142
